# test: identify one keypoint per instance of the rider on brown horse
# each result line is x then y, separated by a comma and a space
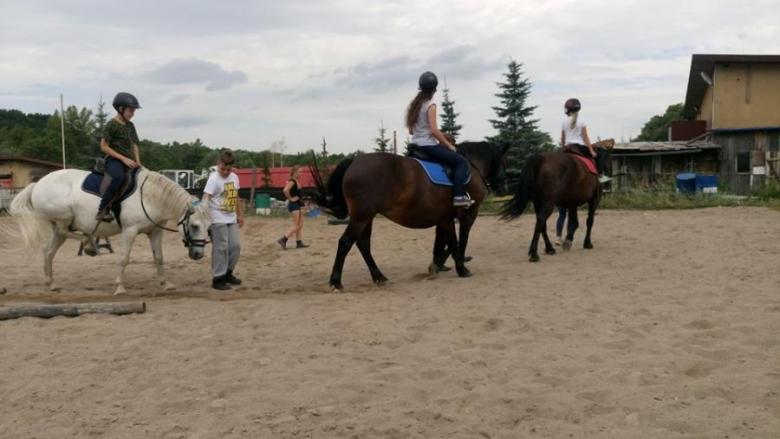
421, 122
574, 137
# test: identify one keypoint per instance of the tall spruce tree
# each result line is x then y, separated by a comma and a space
382, 142
514, 123
101, 117
449, 124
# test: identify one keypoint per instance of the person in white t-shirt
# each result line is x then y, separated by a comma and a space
227, 215
574, 136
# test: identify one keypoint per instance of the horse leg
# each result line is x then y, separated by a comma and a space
543, 211
465, 229
440, 253
351, 234
364, 245
548, 246
574, 223
592, 204
128, 236
454, 248
155, 239
57, 239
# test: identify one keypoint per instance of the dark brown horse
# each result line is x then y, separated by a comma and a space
398, 188
557, 179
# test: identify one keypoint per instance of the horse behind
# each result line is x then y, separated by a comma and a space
56, 208
557, 179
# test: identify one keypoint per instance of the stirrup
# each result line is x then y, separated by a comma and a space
106, 217
462, 201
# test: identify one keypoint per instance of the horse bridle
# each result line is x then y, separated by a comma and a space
188, 240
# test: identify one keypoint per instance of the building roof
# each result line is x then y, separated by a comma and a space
706, 63
660, 148
279, 176
23, 158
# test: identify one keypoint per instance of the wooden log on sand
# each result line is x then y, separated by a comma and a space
71, 310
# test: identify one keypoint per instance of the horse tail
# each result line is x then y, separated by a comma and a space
331, 198
34, 227
517, 205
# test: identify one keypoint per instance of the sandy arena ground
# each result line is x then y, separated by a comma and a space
669, 328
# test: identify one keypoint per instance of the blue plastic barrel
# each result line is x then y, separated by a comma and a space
707, 184
686, 182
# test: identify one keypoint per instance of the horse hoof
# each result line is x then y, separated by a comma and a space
120, 292
433, 270
337, 287
467, 258
464, 273
90, 251
534, 258
382, 281
549, 251
169, 287
588, 246
566, 245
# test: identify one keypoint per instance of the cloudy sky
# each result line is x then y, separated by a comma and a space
245, 73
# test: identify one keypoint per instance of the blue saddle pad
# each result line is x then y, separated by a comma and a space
92, 182
437, 173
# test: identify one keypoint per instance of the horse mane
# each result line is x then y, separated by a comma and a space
484, 150
162, 190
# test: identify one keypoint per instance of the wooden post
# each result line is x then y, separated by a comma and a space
252, 192
71, 310
62, 128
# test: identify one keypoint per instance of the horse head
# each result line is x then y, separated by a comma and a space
604, 149
194, 229
493, 160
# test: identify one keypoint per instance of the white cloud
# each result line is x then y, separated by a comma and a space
245, 73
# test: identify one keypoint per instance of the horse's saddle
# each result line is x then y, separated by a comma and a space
97, 181
588, 161
438, 173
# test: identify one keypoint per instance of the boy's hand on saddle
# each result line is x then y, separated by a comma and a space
130, 163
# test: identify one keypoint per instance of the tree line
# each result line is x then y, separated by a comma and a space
38, 135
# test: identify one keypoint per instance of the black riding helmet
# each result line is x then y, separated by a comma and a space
125, 100
571, 106
428, 82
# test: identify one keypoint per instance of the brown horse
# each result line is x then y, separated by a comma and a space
398, 188
557, 179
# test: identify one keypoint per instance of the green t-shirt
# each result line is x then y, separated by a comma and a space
121, 138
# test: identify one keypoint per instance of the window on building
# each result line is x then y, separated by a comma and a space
743, 162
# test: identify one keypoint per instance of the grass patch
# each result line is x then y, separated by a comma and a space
664, 199
645, 199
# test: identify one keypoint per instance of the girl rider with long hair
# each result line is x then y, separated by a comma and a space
421, 122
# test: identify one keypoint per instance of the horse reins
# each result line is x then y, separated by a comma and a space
184, 222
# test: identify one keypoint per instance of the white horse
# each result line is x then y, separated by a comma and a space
56, 208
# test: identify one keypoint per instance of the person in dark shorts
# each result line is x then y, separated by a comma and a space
292, 191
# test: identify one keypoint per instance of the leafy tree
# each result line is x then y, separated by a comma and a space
657, 128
